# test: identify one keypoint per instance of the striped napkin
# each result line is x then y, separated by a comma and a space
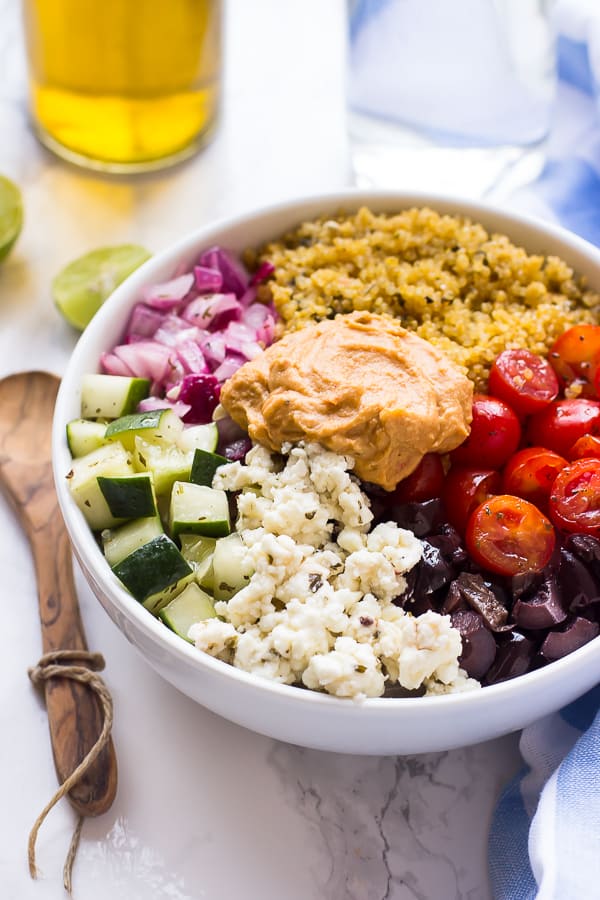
544, 839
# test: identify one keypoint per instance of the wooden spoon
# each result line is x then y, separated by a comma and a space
26, 409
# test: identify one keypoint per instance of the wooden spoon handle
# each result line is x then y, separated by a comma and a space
74, 714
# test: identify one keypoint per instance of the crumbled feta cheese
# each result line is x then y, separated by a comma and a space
349, 670
319, 609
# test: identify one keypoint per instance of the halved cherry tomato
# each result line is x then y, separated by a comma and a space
530, 474
494, 436
464, 489
563, 422
575, 498
522, 379
425, 483
575, 356
585, 446
510, 536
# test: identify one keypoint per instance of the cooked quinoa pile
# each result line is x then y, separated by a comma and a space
471, 293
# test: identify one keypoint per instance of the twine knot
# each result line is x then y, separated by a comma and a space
81, 666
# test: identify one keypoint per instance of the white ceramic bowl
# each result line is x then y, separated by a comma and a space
378, 726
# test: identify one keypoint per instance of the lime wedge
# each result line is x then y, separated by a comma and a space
11, 215
80, 289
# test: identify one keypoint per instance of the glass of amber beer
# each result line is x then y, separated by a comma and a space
120, 85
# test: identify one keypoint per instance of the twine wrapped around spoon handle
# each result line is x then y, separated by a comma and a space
79, 666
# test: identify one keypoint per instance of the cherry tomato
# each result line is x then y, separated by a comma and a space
525, 381
464, 489
424, 483
575, 498
530, 474
575, 355
494, 436
560, 424
510, 536
588, 445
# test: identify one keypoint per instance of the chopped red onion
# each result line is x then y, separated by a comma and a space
213, 311
206, 323
264, 271
151, 403
113, 365
169, 294
192, 358
143, 321
208, 281
235, 276
229, 366
213, 347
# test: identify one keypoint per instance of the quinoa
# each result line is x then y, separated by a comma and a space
470, 293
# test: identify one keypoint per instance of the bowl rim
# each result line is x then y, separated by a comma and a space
89, 553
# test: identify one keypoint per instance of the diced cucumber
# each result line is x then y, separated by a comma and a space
198, 509
111, 396
203, 437
155, 572
166, 462
230, 567
84, 436
111, 460
161, 425
119, 543
198, 551
129, 496
190, 606
205, 465
157, 601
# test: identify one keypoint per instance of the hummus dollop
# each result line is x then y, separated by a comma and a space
360, 385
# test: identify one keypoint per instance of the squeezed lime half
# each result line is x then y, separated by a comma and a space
11, 215
80, 289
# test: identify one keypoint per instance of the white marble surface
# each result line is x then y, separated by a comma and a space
204, 808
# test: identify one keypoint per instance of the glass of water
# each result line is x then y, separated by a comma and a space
451, 96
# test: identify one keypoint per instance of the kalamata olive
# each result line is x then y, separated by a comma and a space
379, 499
541, 609
420, 518
479, 646
229, 431
237, 449
570, 637
483, 600
514, 656
431, 574
454, 600
578, 586
586, 548
524, 584
448, 541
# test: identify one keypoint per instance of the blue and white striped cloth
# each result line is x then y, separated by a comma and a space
545, 836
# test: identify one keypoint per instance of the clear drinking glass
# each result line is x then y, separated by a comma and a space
449, 95
124, 85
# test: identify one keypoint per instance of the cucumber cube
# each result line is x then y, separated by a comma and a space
111, 396
190, 606
205, 465
129, 496
111, 460
167, 463
84, 436
198, 551
203, 437
161, 425
197, 509
230, 568
155, 572
119, 543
